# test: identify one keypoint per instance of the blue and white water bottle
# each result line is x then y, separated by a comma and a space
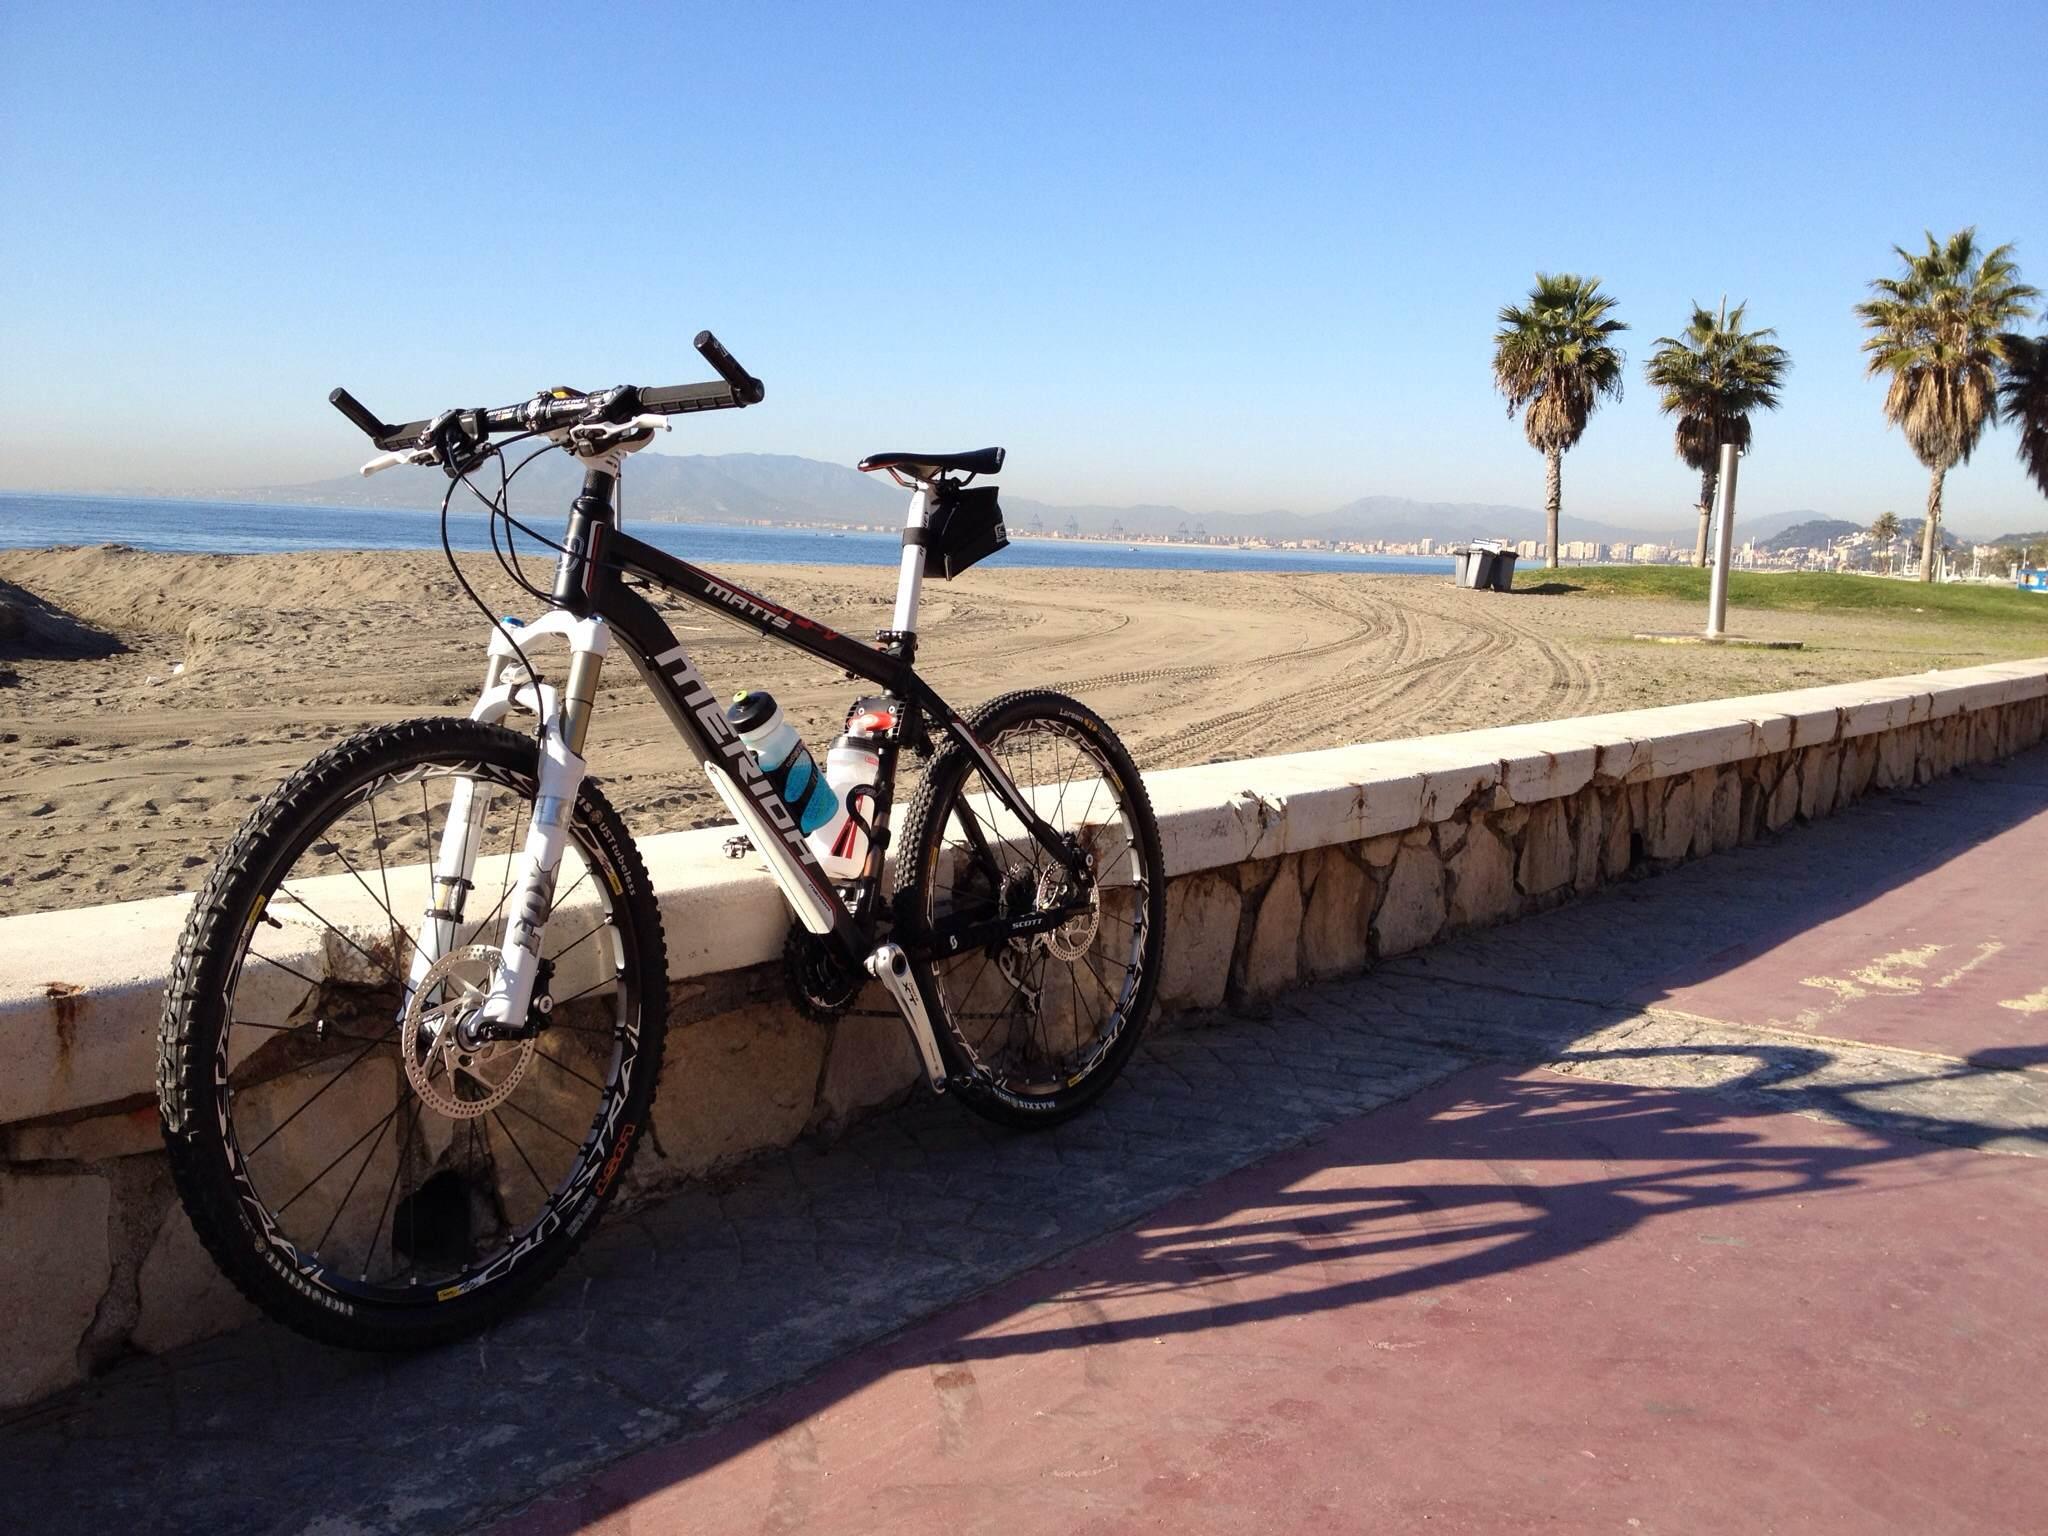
787, 762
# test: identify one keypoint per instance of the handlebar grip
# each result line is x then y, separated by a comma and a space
402, 436
674, 399
747, 389
358, 413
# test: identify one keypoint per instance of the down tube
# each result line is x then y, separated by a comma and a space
690, 704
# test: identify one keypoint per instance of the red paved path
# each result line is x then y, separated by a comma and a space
1652, 1317
1953, 961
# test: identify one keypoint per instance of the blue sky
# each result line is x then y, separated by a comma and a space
1233, 257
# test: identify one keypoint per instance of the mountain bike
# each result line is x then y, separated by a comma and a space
413, 1029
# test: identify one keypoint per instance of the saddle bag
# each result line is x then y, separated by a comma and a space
966, 525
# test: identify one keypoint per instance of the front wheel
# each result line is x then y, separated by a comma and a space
1035, 1027
362, 1164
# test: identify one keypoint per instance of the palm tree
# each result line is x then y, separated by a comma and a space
1938, 330
2024, 399
1711, 378
1886, 531
1554, 357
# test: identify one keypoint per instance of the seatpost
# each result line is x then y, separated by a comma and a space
910, 579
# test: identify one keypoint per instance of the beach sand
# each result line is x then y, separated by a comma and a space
122, 776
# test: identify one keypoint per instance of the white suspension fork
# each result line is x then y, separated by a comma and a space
566, 721
561, 775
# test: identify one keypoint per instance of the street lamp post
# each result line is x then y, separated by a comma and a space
1724, 540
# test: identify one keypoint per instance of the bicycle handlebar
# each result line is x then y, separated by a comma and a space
744, 384
551, 410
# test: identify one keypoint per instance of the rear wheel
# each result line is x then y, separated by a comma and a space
363, 1169
1034, 1028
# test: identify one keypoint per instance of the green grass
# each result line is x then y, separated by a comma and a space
1804, 592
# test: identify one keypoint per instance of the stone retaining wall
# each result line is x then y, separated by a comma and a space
1282, 869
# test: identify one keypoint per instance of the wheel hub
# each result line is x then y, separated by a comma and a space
451, 1068
1072, 938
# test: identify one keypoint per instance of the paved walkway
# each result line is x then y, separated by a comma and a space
1699, 1210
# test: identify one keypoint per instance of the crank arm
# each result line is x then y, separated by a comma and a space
891, 967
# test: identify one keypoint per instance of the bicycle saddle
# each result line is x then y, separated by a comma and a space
922, 466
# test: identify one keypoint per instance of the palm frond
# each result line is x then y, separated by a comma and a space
2023, 396
1554, 359
1712, 377
1939, 331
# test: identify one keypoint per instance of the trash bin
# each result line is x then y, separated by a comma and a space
1472, 568
1485, 564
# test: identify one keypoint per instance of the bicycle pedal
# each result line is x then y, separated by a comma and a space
738, 847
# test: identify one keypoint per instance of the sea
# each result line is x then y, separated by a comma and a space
250, 528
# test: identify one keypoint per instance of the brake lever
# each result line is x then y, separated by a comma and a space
385, 461
587, 439
458, 452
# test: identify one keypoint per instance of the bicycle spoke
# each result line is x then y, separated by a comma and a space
603, 1031
536, 1119
287, 969
376, 1129
383, 875
562, 896
294, 896
602, 981
398, 929
398, 1167
319, 1093
543, 1183
511, 863
296, 1029
565, 1067
570, 949
349, 1194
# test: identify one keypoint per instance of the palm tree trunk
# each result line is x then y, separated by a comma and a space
1699, 550
1932, 530
1553, 497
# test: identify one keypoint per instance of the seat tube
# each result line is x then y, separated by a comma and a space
910, 579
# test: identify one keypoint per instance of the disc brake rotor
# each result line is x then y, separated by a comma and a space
1071, 939
460, 1080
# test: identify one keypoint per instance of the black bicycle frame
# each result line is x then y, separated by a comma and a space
591, 579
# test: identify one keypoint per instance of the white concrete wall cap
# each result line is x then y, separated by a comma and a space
81, 990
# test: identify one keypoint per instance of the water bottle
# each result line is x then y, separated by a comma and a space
787, 763
851, 768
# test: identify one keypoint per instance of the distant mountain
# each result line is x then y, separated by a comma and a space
1814, 533
1770, 524
724, 487
773, 487
1395, 517
1909, 533
1370, 517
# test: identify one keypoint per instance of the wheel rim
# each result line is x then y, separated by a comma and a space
341, 1168
1036, 1016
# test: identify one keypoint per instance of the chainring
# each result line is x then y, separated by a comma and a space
820, 986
